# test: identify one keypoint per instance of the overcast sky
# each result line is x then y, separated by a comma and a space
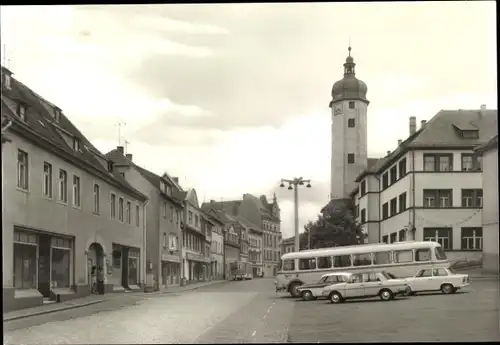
233, 97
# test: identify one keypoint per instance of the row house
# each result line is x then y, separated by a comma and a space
194, 262
430, 187
66, 209
216, 247
254, 245
257, 210
207, 223
288, 245
164, 213
489, 154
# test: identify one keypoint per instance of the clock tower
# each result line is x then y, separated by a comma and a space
349, 131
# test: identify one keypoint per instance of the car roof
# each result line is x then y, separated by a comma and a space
336, 274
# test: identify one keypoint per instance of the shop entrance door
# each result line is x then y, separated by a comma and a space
44, 265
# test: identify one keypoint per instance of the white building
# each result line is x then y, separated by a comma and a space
349, 131
429, 187
489, 152
217, 249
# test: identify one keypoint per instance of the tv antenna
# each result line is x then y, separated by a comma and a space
120, 123
126, 145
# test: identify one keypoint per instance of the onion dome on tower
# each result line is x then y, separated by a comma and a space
349, 87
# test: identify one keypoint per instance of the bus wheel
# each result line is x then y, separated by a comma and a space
293, 289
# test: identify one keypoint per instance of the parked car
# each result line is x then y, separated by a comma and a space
438, 279
366, 285
309, 292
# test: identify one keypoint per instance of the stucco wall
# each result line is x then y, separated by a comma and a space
490, 211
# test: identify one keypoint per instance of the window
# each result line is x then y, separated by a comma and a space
61, 263
57, 114
352, 105
25, 260
342, 261
129, 212
394, 174
385, 211
394, 206
171, 214
472, 238
288, 265
401, 256
7, 81
96, 198
196, 220
110, 166
382, 258
385, 180
76, 191
385, 239
162, 186
351, 123
362, 259
438, 197
76, 144
394, 237
402, 235
120, 209
190, 217
402, 167
164, 210
471, 162
402, 202
325, 262
22, 169
439, 235
63, 185
356, 211
423, 254
439, 272
424, 273
363, 187
440, 254
350, 158
21, 111
47, 180
113, 206
137, 219
363, 215
438, 162
472, 198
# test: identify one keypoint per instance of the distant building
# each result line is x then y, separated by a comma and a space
255, 245
491, 257
429, 188
164, 213
217, 247
66, 209
288, 245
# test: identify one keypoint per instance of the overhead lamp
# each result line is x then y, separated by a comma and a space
308, 185
290, 187
301, 183
282, 185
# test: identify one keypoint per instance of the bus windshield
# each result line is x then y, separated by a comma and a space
440, 254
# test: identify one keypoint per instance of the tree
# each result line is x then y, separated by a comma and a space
336, 226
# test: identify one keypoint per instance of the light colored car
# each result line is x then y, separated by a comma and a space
312, 291
438, 279
366, 285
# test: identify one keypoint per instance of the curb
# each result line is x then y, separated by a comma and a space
42, 312
185, 290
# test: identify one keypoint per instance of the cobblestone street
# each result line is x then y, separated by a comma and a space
251, 312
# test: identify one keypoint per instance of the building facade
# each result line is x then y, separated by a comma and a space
68, 210
163, 212
489, 153
194, 262
217, 247
254, 246
349, 107
288, 245
430, 187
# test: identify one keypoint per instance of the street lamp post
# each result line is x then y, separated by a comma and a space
296, 182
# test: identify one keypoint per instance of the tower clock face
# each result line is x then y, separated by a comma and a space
338, 109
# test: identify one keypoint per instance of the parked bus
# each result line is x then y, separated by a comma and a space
241, 270
402, 259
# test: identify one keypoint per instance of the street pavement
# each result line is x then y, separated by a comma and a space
251, 312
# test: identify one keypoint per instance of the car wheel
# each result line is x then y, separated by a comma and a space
307, 295
335, 297
293, 290
447, 289
386, 295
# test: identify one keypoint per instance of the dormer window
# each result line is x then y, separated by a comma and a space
162, 185
110, 166
76, 144
57, 114
21, 111
470, 134
7, 81
467, 131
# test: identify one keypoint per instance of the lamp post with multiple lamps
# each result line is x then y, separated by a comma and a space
294, 184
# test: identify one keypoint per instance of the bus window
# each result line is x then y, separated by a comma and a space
423, 254
325, 262
382, 258
342, 261
401, 256
288, 265
362, 259
307, 264
440, 254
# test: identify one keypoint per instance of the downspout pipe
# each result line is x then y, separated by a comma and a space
413, 229
379, 207
144, 234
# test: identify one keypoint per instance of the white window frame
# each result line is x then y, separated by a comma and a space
22, 112
112, 205
62, 186
23, 170
77, 190
137, 215
474, 237
47, 181
96, 196
121, 209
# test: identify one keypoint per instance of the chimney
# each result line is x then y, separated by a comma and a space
212, 201
120, 149
422, 124
388, 153
400, 142
175, 179
413, 125
129, 156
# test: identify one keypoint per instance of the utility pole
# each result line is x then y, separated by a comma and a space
294, 184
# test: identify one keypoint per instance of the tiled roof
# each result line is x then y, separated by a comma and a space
41, 127
491, 144
249, 224
441, 132
120, 160
289, 240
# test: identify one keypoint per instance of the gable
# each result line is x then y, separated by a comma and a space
192, 198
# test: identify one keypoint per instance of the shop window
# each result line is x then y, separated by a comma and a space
133, 267
25, 255
60, 266
117, 259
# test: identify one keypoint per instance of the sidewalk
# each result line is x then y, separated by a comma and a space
477, 273
93, 299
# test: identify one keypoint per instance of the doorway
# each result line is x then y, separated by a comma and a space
95, 257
